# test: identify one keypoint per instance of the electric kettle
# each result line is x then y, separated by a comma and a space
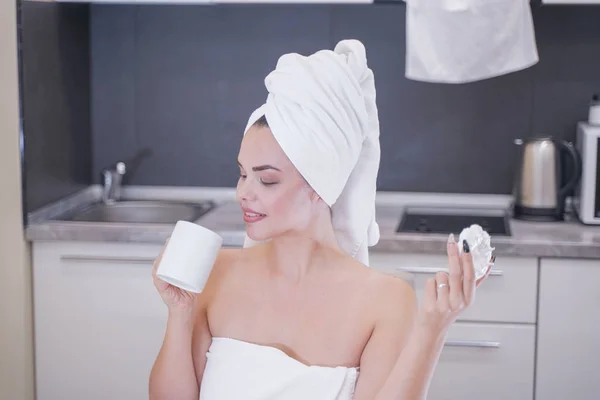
540, 189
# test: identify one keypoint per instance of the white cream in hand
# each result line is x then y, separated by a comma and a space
480, 247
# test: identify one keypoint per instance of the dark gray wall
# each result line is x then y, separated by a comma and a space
182, 81
55, 97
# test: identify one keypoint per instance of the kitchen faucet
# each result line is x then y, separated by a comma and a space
112, 178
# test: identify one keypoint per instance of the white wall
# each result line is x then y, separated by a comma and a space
16, 340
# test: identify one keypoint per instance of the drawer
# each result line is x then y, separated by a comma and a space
97, 318
485, 361
104, 278
508, 295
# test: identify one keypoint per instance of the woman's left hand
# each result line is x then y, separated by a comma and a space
448, 294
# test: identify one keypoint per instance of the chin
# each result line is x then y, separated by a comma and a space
256, 235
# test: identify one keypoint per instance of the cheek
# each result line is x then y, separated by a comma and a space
292, 204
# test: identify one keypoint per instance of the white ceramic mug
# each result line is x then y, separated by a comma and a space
189, 257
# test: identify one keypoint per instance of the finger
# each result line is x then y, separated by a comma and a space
443, 291
156, 263
158, 259
155, 278
430, 294
468, 271
487, 272
456, 275
159, 283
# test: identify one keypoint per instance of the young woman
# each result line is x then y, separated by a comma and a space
296, 314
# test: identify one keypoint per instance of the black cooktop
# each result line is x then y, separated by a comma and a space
448, 220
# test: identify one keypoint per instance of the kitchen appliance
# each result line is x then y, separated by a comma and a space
594, 112
586, 200
448, 220
540, 189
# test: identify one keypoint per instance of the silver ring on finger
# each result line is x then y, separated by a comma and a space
442, 279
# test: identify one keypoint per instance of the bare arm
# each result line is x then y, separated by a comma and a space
201, 340
444, 298
177, 371
412, 373
397, 304
173, 374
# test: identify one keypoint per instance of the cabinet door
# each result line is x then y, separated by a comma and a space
486, 361
569, 328
99, 322
508, 295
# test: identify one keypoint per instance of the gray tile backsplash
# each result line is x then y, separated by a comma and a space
192, 97
190, 83
112, 85
55, 98
185, 79
568, 40
182, 81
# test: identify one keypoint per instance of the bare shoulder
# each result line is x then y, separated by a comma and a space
231, 264
226, 260
225, 264
390, 296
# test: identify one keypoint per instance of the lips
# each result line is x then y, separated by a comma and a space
251, 216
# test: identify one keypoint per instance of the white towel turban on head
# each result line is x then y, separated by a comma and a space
322, 111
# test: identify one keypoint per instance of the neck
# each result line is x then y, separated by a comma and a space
296, 253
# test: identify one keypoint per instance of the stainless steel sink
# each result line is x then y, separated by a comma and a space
150, 212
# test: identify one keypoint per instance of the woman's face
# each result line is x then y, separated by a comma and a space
273, 195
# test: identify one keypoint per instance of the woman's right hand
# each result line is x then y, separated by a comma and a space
175, 298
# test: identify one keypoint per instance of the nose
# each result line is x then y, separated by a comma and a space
244, 190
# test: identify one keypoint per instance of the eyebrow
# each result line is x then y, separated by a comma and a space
261, 167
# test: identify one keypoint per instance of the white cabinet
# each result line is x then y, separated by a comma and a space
99, 324
568, 330
490, 352
508, 295
486, 361
99, 321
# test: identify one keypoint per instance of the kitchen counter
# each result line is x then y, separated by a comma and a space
566, 239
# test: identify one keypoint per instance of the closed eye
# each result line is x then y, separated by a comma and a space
265, 183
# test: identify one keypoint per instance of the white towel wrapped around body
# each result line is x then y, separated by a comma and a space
237, 370
322, 111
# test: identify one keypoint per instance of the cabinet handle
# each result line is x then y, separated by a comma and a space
108, 259
472, 343
434, 270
